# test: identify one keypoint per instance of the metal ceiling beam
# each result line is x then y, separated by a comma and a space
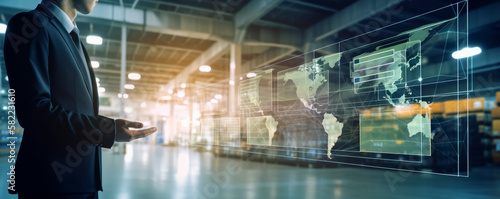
276, 25
149, 69
135, 3
189, 7
274, 37
483, 16
169, 67
144, 81
348, 16
253, 11
148, 45
267, 57
167, 23
184, 25
313, 5
111, 71
208, 57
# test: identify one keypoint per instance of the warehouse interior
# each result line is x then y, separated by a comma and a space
293, 98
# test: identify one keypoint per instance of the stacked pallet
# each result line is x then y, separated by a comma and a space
479, 139
495, 133
437, 109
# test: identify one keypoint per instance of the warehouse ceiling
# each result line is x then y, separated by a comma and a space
159, 56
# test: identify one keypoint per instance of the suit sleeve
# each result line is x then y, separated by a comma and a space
27, 58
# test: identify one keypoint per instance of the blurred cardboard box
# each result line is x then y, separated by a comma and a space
495, 128
498, 97
437, 107
495, 113
475, 104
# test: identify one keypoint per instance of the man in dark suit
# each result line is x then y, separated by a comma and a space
57, 104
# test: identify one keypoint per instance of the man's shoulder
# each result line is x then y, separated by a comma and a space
25, 28
35, 17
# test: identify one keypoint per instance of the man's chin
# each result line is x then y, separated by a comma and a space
85, 12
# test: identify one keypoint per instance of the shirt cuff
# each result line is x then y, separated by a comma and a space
108, 129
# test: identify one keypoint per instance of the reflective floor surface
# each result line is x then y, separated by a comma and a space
159, 172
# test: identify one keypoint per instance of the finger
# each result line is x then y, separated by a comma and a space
133, 124
143, 133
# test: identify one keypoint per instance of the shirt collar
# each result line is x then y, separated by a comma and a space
61, 16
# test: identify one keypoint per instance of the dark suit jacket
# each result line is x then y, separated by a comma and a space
56, 105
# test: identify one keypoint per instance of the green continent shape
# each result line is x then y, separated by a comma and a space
420, 124
333, 128
306, 87
271, 126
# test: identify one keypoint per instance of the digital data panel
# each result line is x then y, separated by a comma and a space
391, 98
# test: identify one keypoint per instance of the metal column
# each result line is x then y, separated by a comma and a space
234, 70
123, 70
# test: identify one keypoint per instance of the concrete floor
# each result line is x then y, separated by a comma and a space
147, 172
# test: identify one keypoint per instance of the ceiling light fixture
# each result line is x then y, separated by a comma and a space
134, 76
3, 28
95, 64
205, 68
94, 40
129, 86
466, 52
181, 94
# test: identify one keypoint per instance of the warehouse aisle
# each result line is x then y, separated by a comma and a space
178, 172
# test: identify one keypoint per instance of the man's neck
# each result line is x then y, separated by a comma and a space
67, 7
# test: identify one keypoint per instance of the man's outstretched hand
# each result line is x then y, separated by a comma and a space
124, 134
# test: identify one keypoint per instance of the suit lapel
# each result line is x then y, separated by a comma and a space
95, 93
70, 44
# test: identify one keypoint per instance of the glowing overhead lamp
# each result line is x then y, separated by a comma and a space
466, 52
134, 76
181, 94
95, 64
129, 86
205, 68
94, 40
218, 96
250, 75
3, 28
